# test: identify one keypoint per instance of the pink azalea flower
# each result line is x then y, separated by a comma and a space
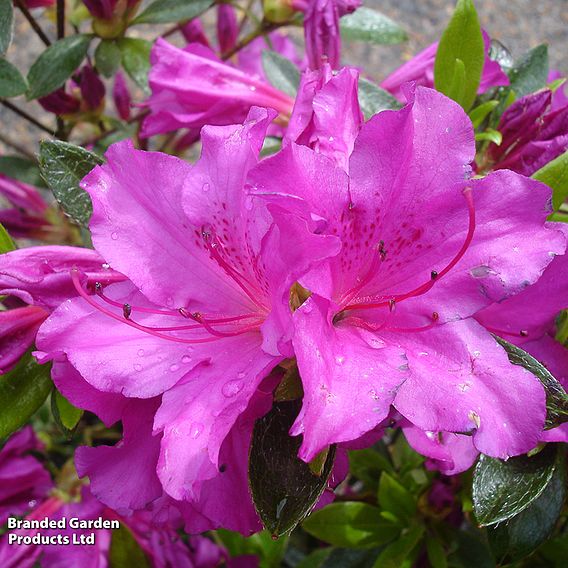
18, 328
27, 217
192, 87
227, 27
423, 248
533, 134
321, 29
121, 95
559, 98
203, 343
420, 69
23, 479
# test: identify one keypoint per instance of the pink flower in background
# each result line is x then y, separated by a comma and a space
109, 9
227, 27
203, 344
420, 69
191, 87
321, 29
423, 249
121, 95
534, 133
23, 479
27, 217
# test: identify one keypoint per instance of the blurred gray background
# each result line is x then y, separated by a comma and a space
518, 24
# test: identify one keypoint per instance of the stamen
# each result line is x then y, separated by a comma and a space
92, 302
423, 288
435, 318
126, 311
211, 242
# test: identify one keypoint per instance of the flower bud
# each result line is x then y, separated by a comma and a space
277, 11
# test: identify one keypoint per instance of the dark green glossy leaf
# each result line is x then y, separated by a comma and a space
350, 524
503, 489
136, 60
12, 83
21, 168
471, 552
395, 498
460, 56
371, 26
22, 391
56, 64
315, 559
125, 552
556, 397
6, 24
107, 57
63, 166
65, 414
281, 72
523, 533
284, 488
168, 11
555, 175
6, 242
350, 558
373, 99
403, 552
530, 73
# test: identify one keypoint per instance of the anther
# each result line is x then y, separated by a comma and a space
98, 287
184, 313
392, 305
523, 333
433, 275
126, 311
435, 316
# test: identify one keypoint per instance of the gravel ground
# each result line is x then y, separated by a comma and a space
519, 24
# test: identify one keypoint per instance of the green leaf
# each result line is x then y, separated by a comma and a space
271, 145
281, 72
6, 24
12, 83
401, 554
456, 90
489, 135
168, 11
63, 166
315, 559
6, 242
107, 57
125, 551
65, 414
350, 558
481, 112
372, 27
283, 487
351, 525
22, 169
530, 73
367, 465
136, 60
523, 533
555, 175
503, 489
373, 99
471, 552
461, 40
56, 64
556, 397
436, 553
395, 498
22, 391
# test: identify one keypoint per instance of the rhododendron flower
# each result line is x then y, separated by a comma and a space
109, 9
321, 29
202, 320
27, 217
420, 69
227, 27
23, 479
84, 93
192, 87
533, 134
423, 248
121, 96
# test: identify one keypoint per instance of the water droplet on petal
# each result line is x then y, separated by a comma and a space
186, 359
174, 368
241, 375
232, 388
206, 187
137, 367
339, 360
114, 235
140, 352
195, 430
